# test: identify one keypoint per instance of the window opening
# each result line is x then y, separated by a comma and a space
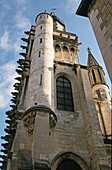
68, 165
98, 93
31, 48
64, 94
41, 27
65, 48
41, 80
72, 49
66, 53
39, 53
94, 76
57, 48
40, 40
99, 74
102, 120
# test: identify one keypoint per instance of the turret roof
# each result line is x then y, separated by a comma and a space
91, 60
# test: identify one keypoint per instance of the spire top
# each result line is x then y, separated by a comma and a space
91, 59
89, 50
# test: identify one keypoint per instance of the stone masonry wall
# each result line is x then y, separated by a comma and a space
40, 85
105, 105
101, 19
96, 148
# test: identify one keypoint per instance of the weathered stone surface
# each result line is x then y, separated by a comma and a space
46, 136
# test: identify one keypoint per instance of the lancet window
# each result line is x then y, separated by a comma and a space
64, 94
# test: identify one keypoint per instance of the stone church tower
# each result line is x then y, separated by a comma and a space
99, 13
60, 119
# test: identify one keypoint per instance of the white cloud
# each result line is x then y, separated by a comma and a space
4, 41
10, 36
17, 47
7, 75
22, 22
72, 5
9, 42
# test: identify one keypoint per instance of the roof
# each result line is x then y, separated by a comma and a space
55, 18
91, 60
84, 7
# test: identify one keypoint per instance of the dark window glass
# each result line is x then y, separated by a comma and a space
99, 74
31, 48
39, 53
68, 96
67, 85
64, 94
94, 76
68, 165
40, 40
98, 93
41, 80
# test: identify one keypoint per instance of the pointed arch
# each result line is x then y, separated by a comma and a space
64, 94
68, 164
77, 161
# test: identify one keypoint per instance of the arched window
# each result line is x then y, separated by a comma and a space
57, 48
65, 52
65, 48
64, 94
68, 165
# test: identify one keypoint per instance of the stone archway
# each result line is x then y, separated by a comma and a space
68, 164
72, 158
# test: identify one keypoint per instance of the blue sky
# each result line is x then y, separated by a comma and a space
17, 16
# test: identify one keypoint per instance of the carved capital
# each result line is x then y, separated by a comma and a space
29, 121
52, 120
29, 117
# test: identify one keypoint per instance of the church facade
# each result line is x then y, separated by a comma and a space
61, 116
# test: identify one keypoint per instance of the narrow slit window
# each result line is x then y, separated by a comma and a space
39, 53
31, 48
98, 93
41, 80
40, 40
99, 75
102, 120
41, 27
64, 94
94, 76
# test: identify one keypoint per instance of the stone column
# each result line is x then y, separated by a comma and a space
40, 148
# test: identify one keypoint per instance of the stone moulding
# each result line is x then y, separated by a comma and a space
30, 114
72, 156
42, 165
